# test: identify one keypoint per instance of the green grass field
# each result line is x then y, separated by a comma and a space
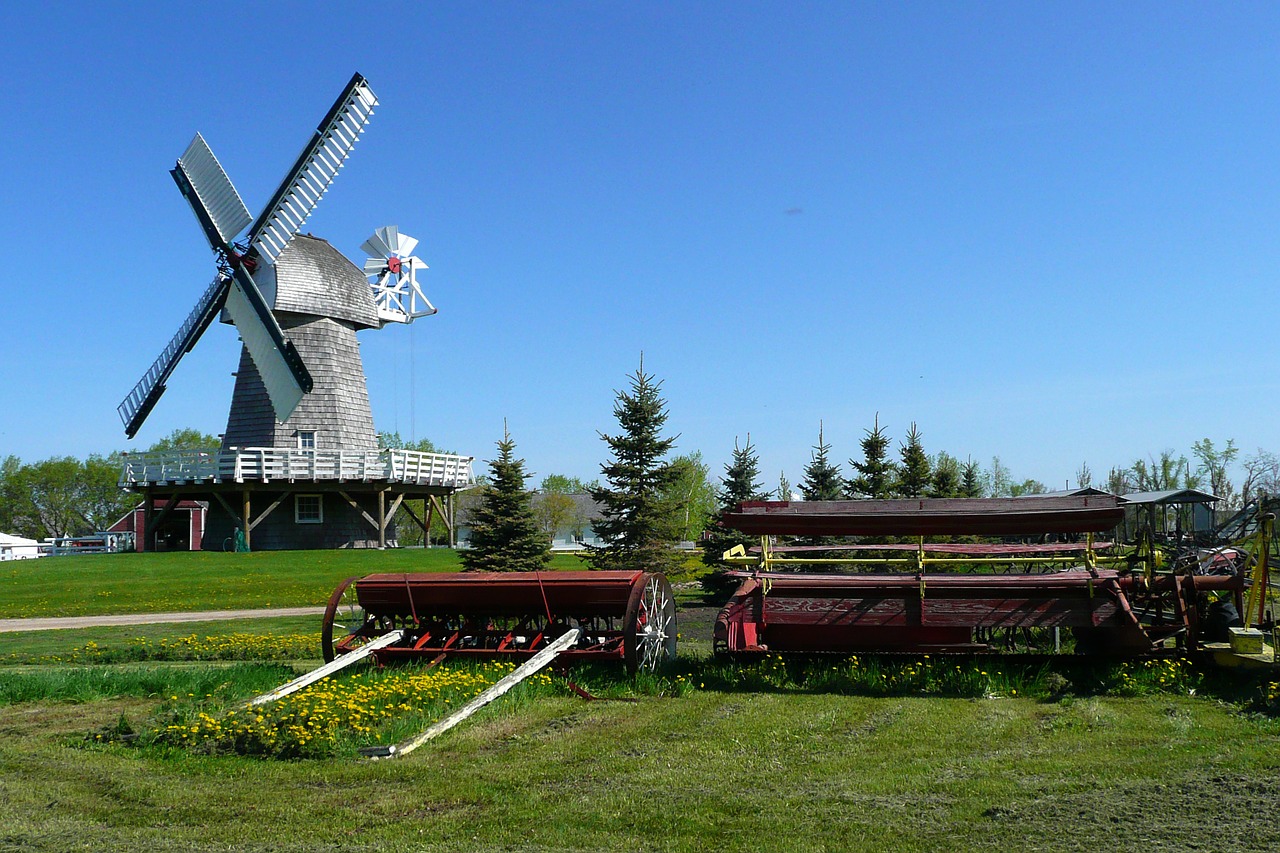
94, 584
97, 750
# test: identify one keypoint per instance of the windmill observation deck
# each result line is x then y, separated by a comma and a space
292, 498
289, 465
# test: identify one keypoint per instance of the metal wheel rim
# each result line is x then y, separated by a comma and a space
345, 619
655, 624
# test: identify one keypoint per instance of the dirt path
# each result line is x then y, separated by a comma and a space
9, 625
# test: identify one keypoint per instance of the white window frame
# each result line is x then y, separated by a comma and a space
309, 433
297, 510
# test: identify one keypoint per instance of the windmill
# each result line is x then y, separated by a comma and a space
300, 424
392, 269
223, 217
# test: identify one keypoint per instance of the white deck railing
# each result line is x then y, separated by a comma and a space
264, 464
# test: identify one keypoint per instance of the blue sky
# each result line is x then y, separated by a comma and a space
1040, 231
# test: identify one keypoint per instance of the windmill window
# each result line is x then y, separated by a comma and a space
307, 439
308, 509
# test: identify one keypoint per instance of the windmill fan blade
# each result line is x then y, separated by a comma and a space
407, 245
315, 169
206, 178
381, 244
285, 376
133, 410
374, 265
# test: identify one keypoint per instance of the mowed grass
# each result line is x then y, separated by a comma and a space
771, 755
118, 641
712, 769
96, 584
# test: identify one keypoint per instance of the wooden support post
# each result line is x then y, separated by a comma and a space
148, 516
444, 516
269, 510
350, 500
426, 529
452, 506
430, 507
382, 519
245, 518
525, 670
227, 506
164, 513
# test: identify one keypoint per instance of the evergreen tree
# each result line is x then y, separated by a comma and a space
632, 520
822, 480
946, 477
875, 471
913, 474
784, 486
504, 532
971, 480
740, 484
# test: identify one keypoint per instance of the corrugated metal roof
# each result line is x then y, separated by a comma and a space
1170, 496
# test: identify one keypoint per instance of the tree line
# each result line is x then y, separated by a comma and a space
66, 496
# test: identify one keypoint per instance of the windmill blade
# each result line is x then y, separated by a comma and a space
384, 241
133, 410
210, 193
285, 376
315, 169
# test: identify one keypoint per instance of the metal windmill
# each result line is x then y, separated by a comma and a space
392, 269
275, 360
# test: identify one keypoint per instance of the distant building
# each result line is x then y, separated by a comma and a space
18, 548
179, 529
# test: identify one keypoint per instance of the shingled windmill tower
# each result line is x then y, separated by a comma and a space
299, 465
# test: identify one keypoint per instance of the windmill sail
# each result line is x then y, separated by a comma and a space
315, 169
285, 376
222, 204
137, 405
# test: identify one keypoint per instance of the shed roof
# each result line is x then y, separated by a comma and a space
1068, 493
1170, 496
10, 539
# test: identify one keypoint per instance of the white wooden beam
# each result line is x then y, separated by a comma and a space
328, 669
528, 668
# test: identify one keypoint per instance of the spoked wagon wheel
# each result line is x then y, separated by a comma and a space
347, 626
649, 633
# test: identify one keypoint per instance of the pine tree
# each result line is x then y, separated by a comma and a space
875, 472
631, 520
504, 532
946, 476
784, 486
971, 480
740, 484
822, 480
913, 473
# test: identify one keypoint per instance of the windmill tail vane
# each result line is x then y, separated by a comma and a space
392, 270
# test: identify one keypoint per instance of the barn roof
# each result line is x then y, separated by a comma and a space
312, 277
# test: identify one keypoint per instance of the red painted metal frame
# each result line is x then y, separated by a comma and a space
502, 615
928, 517
808, 613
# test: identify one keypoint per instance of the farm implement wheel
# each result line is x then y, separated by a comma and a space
347, 626
649, 632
